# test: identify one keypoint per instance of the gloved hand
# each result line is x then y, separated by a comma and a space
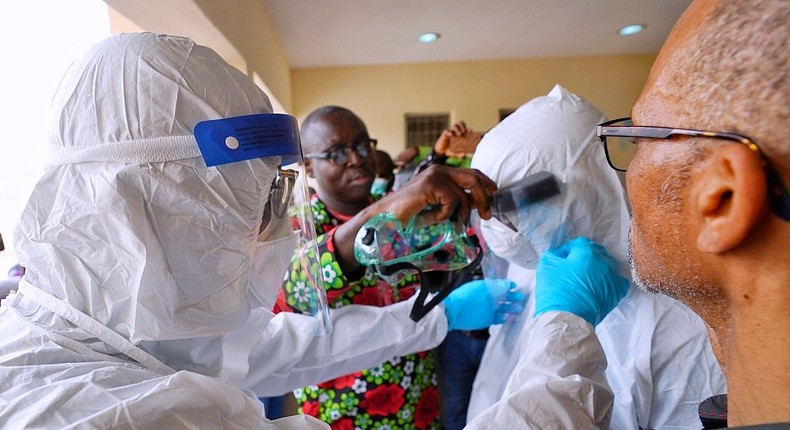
581, 278
481, 303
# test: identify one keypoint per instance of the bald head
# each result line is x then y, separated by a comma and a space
313, 127
724, 68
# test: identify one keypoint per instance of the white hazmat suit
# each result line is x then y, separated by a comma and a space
146, 274
660, 362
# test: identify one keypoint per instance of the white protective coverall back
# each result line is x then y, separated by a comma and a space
138, 307
660, 362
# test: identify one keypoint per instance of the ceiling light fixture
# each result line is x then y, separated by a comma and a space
428, 37
631, 29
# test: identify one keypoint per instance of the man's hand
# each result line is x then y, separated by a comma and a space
446, 190
442, 144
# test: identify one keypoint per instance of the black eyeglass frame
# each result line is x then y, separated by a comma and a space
780, 198
344, 151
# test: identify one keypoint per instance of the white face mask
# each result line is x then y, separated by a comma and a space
508, 244
379, 186
541, 226
270, 260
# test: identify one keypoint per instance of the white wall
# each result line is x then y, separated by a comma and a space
38, 40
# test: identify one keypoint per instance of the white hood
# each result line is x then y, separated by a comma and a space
556, 133
127, 225
643, 336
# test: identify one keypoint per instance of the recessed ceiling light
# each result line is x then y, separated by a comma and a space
631, 29
428, 37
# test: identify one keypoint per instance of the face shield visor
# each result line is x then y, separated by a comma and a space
442, 254
528, 218
287, 233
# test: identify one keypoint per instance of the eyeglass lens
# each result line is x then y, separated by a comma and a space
341, 155
620, 151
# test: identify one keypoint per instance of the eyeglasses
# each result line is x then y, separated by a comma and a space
281, 190
341, 155
618, 137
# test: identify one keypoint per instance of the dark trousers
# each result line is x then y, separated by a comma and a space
459, 357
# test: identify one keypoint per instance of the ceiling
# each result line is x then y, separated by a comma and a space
329, 33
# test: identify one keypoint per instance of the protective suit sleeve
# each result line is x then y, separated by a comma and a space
559, 381
287, 355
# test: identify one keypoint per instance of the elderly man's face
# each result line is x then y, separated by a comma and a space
662, 242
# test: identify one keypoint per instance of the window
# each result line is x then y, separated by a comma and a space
423, 129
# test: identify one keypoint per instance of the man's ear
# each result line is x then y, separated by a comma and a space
730, 198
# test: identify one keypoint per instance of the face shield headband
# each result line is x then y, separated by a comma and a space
230, 140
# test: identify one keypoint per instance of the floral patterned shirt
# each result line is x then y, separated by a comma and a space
400, 393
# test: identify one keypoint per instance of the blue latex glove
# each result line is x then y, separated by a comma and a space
581, 278
479, 304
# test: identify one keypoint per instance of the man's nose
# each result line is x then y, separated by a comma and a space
354, 158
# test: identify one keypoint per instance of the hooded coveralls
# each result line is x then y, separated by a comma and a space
142, 304
548, 372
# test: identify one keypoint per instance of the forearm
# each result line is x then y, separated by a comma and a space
344, 238
363, 337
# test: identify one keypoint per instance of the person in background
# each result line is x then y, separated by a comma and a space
400, 392
14, 275
406, 161
385, 174
456, 145
707, 154
645, 334
11, 283
453, 147
150, 273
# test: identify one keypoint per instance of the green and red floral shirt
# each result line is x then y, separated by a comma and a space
400, 393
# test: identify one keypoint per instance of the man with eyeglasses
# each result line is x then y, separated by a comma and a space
707, 153
707, 162
401, 392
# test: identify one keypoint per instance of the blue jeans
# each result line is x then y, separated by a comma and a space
459, 357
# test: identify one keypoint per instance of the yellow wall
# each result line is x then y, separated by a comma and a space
470, 91
247, 26
242, 34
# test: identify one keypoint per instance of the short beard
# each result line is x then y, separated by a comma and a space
646, 286
635, 278
695, 293
669, 199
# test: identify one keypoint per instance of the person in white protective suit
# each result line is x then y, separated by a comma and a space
660, 362
150, 273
